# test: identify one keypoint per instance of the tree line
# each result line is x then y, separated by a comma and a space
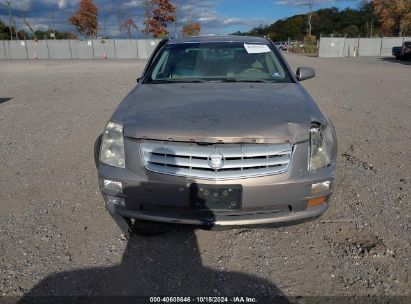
370, 19
9, 34
158, 16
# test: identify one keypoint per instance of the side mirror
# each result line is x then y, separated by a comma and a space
304, 73
138, 79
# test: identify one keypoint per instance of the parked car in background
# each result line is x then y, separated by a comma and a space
218, 131
402, 52
293, 43
281, 45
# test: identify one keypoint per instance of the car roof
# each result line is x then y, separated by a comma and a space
208, 39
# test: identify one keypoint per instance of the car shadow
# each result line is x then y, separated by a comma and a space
163, 265
159, 259
5, 99
393, 60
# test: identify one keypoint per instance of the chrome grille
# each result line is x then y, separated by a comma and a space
193, 160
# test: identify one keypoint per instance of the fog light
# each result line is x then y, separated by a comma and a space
316, 201
115, 200
320, 187
112, 187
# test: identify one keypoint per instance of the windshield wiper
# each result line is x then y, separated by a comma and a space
200, 80
245, 80
191, 80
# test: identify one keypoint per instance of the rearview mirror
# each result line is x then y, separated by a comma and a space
304, 73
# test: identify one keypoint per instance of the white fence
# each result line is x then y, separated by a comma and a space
352, 47
75, 49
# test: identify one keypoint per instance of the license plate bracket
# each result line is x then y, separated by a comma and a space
217, 197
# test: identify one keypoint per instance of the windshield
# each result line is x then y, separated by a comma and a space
223, 61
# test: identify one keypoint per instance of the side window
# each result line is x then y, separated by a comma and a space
158, 71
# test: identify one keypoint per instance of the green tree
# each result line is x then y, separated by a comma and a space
4, 31
324, 22
2, 28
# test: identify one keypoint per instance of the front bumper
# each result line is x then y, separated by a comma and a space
159, 197
211, 219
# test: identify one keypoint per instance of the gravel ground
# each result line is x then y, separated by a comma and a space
57, 239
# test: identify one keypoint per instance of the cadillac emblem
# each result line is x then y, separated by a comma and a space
216, 161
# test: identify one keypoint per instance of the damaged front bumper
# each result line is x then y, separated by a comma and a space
150, 196
210, 218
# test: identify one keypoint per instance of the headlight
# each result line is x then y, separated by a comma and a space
112, 145
319, 157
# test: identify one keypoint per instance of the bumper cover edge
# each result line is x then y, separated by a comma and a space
258, 219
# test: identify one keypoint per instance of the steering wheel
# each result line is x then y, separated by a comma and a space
252, 70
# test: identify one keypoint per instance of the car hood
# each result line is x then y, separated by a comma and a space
218, 112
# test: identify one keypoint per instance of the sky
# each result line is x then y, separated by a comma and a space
215, 16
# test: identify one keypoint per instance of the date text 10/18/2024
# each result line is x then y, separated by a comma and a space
203, 300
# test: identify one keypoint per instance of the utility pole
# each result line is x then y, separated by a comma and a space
189, 19
372, 25
15, 28
175, 22
10, 17
367, 30
147, 16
